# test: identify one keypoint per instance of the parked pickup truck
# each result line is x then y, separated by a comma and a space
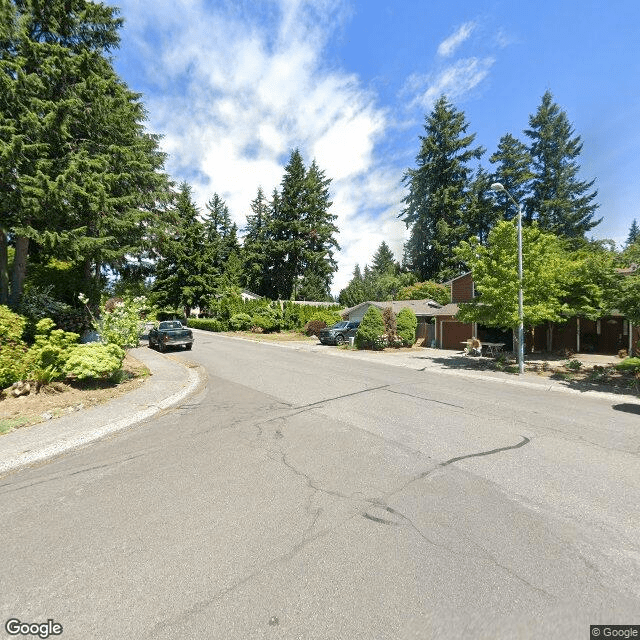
170, 333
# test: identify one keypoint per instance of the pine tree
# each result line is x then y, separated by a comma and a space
354, 292
383, 259
222, 241
560, 202
79, 176
300, 234
271, 248
254, 246
184, 273
481, 211
634, 233
513, 171
287, 228
438, 187
320, 230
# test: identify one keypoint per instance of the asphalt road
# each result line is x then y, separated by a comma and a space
300, 495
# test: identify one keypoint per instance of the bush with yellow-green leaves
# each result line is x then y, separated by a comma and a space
54, 355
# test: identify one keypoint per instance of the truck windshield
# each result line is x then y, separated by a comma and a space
170, 325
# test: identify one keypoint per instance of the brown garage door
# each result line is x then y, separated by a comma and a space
453, 333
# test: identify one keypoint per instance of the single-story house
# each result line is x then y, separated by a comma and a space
424, 310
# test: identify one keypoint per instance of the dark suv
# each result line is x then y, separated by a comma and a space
339, 333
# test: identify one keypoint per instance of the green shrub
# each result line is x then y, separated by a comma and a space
240, 322
94, 360
629, 364
407, 323
12, 348
47, 356
12, 355
573, 365
264, 322
206, 324
38, 303
11, 325
120, 320
168, 314
328, 316
371, 330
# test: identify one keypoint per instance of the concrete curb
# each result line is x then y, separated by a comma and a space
38, 442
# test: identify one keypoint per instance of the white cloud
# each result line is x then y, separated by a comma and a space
235, 86
448, 47
235, 97
454, 81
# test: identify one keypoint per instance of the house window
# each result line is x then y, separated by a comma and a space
625, 327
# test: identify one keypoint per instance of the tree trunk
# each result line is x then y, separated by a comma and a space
19, 270
550, 337
4, 268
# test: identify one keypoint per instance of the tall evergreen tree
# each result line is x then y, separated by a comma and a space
513, 171
79, 177
481, 211
287, 228
438, 189
634, 233
560, 201
354, 292
222, 235
254, 249
383, 260
184, 273
300, 234
320, 230
272, 255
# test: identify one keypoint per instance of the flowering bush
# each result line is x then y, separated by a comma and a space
119, 321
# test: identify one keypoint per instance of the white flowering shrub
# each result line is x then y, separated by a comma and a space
119, 321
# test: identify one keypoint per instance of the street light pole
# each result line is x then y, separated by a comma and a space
497, 186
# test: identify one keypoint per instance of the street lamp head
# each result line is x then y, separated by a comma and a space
497, 186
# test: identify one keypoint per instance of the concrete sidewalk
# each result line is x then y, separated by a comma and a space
169, 383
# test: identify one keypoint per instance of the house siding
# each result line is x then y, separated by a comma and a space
462, 288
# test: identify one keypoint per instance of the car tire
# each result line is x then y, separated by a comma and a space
340, 340
163, 347
151, 346
188, 347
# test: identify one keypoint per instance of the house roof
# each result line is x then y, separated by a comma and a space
419, 307
627, 271
313, 303
462, 275
450, 309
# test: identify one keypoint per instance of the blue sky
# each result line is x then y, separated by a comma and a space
235, 85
